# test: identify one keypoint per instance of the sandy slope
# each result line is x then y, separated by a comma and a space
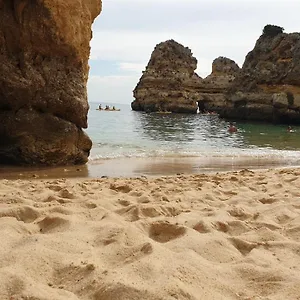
224, 236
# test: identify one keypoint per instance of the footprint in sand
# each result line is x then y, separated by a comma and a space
134, 213
109, 236
90, 205
130, 213
52, 224
124, 202
163, 232
267, 200
243, 246
137, 253
239, 213
144, 199
147, 248
202, 227
232, 227
66, 194
72, 273
124, 188
26, 214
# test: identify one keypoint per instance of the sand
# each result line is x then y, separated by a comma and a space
233, 235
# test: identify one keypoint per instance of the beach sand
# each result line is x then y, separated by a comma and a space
232, 235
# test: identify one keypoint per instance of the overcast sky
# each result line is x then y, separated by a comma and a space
126, 32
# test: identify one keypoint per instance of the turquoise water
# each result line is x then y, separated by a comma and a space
135, 134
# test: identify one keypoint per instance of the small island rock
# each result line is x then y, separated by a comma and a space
169, 83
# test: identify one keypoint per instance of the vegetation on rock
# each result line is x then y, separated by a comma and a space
272, 30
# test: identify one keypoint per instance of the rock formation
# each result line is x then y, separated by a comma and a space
268, 86
213, 87
169, 82
44, 51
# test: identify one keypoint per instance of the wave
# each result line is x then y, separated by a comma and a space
288, 157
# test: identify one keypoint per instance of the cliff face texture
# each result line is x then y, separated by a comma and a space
169, 82
268, 87
44, 51
214, 87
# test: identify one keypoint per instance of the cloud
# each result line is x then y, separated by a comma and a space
112, 88
146, 15
132, 67
111, 80
137, 47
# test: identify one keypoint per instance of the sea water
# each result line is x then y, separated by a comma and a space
129, 134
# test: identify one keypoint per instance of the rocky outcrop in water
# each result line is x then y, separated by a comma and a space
169, 82
44, 51
214, 87
268, 86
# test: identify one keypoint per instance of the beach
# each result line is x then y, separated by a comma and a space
151, 155
226, 235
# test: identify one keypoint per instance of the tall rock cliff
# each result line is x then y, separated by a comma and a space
169, 81
44, 51
268, 86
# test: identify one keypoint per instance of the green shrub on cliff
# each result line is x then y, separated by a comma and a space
272, 30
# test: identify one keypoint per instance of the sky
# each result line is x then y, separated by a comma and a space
126, 32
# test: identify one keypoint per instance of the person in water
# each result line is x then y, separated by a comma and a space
232, 128
290, 129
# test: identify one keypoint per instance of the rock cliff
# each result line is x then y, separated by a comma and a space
268, 86
214, 87
44, 51
169, 82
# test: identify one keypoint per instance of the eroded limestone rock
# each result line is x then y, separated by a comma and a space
266, 88
215, 86
169, 82
269, 80
44, 51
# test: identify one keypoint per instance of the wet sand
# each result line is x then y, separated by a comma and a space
136, 167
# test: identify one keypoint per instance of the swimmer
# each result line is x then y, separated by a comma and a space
232, 128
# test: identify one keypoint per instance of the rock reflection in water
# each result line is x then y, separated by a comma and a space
203, 131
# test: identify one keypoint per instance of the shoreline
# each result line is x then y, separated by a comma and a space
150, 167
